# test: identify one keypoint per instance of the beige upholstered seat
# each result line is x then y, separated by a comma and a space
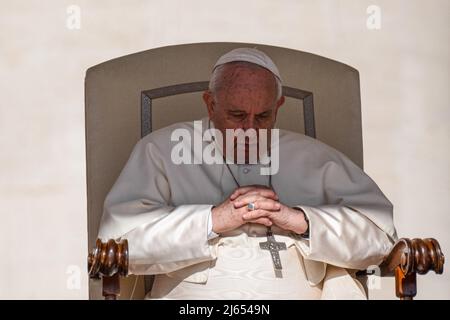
118, 98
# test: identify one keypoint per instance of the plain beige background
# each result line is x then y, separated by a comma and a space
404, 70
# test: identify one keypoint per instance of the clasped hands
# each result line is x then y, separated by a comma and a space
268, 211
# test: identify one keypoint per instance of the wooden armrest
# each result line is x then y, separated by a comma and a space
409, 257
109, 261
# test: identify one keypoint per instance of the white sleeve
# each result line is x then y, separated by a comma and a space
162, 238
354, 227
343, 237
211, 234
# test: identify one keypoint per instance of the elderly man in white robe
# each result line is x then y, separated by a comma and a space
227, 231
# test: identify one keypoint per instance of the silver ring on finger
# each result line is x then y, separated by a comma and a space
251, 206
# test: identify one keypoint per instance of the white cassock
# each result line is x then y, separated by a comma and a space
163, 209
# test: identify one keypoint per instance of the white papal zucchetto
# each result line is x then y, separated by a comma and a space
249, 55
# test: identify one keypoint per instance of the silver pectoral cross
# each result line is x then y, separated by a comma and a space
274, 247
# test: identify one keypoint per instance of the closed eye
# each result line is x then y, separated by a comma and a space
263, 115
238, 115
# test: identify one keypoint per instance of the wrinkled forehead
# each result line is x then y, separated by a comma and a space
245, 79
242, 70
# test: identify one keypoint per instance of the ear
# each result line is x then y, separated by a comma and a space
208, 98
280, 102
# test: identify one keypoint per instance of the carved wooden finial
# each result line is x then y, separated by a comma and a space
423, 256
109, 260
409, 257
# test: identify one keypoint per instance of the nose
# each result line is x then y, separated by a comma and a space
249, 123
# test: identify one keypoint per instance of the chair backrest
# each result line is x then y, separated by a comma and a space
127, 97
